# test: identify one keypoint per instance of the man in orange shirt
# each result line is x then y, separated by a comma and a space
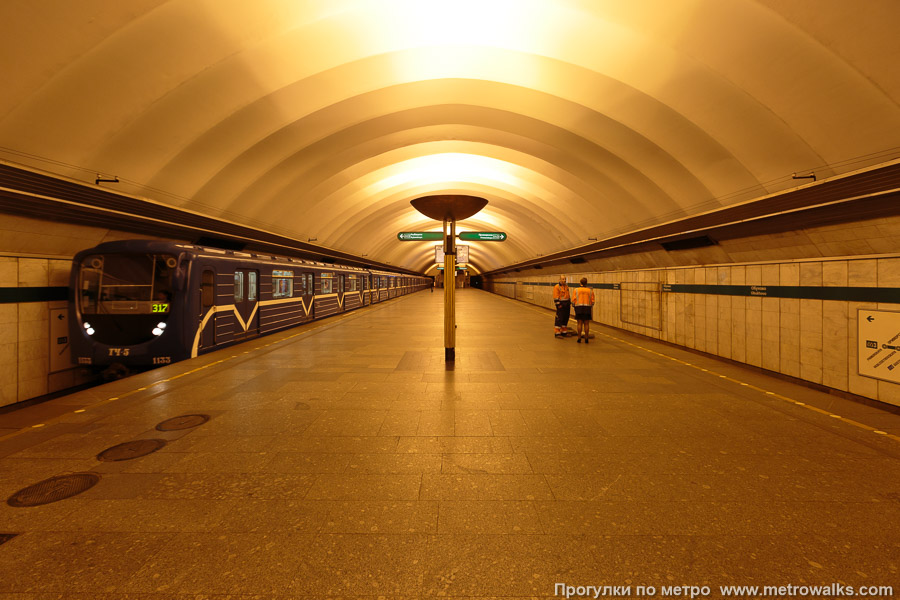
583, 299
562, 301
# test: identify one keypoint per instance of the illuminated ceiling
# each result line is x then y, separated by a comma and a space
576, 119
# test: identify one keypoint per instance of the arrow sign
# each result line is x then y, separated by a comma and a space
482, 236
870, 318
420, 236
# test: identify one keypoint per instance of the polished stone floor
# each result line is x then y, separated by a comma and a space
343, 459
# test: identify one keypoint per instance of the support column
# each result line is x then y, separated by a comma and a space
449, 289
449, 209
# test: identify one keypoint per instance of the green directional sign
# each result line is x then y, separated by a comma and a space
420, 236
483, 236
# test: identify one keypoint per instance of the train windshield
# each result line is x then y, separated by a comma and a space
117, 284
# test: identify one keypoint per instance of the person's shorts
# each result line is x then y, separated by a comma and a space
583, 313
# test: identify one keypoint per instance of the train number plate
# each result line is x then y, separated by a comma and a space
119, 351
162, 360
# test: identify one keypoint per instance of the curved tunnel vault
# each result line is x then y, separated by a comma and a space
575, 119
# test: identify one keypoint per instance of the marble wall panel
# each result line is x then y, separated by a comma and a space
835, 357
811, 340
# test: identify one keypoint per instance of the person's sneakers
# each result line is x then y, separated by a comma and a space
586, 340
579, 339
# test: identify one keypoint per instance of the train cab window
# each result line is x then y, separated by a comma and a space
282, 284
207, 289
126, 283
251, 287
238, 286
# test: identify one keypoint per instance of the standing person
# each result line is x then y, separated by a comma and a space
583, 299
562, 301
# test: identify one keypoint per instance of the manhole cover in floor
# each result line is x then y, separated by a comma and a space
129, 450
5, 537
53, 489
182, 422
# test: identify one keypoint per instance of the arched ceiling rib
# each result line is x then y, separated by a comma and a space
575, 118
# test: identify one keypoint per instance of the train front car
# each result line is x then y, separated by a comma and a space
128, 304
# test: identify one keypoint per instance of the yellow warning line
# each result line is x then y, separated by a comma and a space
764, 391
742, 383
328, 321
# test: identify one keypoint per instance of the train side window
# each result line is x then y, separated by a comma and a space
282, 284
251, 287
238, 286
310, 284
207, 289
326, 285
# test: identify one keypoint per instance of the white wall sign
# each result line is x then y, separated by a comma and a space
878, 344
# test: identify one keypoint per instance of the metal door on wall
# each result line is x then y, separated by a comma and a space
207, 308
246, 302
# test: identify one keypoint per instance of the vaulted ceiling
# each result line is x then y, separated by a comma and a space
576, 119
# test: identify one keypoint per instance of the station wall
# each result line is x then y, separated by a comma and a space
810, 339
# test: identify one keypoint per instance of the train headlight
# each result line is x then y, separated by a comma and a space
87, 325
160, 325
157, 331
89, 331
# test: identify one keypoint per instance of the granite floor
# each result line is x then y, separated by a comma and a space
343, 459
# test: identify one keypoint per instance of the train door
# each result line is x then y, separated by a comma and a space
246, 302
207, 308
308, 290
341, 292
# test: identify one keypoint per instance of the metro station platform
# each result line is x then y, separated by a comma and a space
344, 459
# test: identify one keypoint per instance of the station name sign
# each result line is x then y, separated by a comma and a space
420, 236
482, 236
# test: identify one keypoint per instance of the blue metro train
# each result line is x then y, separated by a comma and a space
141, 303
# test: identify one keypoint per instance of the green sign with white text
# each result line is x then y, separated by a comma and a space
420, 236
482, 236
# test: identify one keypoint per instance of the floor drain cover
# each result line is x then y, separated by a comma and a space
301, 406
129, 450
5, 537
182, 422
53, 489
